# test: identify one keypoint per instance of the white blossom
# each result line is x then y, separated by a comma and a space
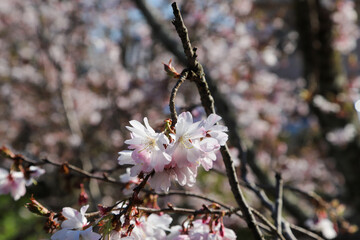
76, 226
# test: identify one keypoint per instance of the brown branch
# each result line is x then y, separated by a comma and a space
268, 226
183, 34
39, 162
208, 103
190, 194
186, 211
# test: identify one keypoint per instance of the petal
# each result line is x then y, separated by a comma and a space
148, 127
136, 141
59, 235
3, 173
125, 158
18, 189
138, 132
83, 209
88, 234
75, 220
193, 154
162, 221
211, 120
137, 124
160, 181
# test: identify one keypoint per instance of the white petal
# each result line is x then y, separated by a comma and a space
83, 209
211, 120
59, 235
149, 128
3, 173
88, 234
125, 158
162, 222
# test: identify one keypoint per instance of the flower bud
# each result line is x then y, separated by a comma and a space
35, 207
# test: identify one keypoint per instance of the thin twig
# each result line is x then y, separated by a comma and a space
186, 210
305, 232
288, 234
278, 202
173, 114
83, 173
190, 194
269, 224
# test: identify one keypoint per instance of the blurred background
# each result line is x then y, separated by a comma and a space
285, 77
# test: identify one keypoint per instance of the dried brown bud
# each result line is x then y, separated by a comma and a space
7, 152
65, 169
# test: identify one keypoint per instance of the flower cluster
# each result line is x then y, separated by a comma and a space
75, 226
202, 229
154, 226
346, 29
151, 227
175, 154
15, 182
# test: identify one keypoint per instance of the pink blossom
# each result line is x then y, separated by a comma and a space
34, 172
215, 131
187, 133
200, 230
75, 226
323, 225
13, 183
342, 136
177, 156
146, 228
149, 150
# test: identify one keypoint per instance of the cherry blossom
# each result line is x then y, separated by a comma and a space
215, 131
15, 182
75, 226
146, 228
323, 225
149, 150
325, 105
177, 156
342, 136
33, 172
346, 29
200, 230
131, 181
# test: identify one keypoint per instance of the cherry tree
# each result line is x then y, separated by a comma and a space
265, 92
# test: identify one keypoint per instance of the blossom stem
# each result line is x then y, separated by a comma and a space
173, 113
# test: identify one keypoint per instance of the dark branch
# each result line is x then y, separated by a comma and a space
208, 103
